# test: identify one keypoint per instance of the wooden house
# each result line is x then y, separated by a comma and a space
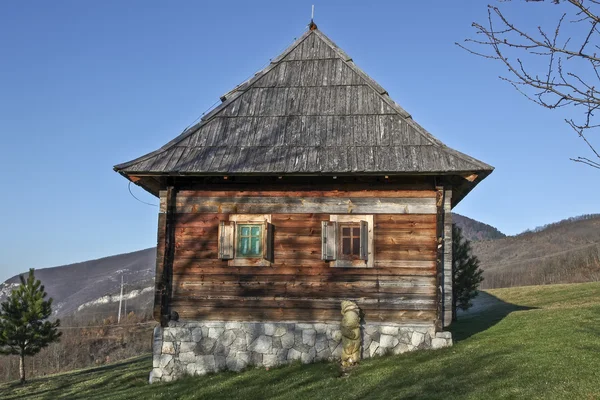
306, 186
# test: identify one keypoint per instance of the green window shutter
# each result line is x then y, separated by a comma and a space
328, 240
226, 229
364, 240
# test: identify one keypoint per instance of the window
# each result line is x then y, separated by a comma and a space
347, 241
349, 234
246, 240
249, 240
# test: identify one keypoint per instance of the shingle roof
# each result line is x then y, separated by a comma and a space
311, 111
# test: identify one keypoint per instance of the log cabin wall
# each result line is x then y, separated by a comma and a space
299, 286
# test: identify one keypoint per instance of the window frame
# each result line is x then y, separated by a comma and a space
250, 219
342, 219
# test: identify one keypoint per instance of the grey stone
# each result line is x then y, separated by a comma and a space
214, 333
270, 329
321, 328
156, 361
256, 359
287, 340
323, 355
388, 341
438, 343
280, 331
389, 330
187, 357
401, 348
237, 361
196, 334
309, 336
366, 341
303, 326
165, 360
309, 356
205, 346
337, 352
320, 343
270, 360
205, 331
373, 348
227, 338
282, 355
333, 344
371, 329
277, 343
187, 346
336, 335
293, 355
417, 338
238, 344
443, 335
375, 336
262, 344
220, 363
221, 350
182, 334
157, 334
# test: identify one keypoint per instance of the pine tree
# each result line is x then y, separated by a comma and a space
24, 329
466, 274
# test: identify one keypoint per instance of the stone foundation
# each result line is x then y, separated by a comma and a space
196, 348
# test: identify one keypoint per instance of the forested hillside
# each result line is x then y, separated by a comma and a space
474, 230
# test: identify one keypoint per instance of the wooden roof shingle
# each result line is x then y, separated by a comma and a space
310, 111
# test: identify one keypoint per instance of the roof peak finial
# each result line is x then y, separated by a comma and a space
312, 26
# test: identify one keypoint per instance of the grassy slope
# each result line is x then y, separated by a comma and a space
531, 342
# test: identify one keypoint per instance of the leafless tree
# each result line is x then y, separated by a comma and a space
554, 68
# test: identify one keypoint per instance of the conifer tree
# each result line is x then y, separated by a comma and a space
466, 274
24, 325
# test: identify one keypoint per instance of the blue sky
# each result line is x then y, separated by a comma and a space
87, 85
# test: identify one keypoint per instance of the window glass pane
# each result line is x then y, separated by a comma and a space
255, 246
356, 245
245, 230
255, 230
346, 250
355, 232
244, 246
345, 231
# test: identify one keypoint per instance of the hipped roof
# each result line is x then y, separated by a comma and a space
311, 111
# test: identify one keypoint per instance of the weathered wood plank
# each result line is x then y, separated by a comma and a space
322, 205
365, 193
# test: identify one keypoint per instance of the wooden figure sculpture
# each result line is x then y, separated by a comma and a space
350, 328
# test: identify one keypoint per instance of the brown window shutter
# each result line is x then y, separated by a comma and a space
268, 241
364, 240
226, 240
328, 240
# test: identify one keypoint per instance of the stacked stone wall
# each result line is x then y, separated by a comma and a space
196, 348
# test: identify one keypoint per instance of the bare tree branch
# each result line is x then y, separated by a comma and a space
571, 77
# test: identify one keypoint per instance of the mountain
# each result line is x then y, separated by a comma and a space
567, 251
89, 285
474, 230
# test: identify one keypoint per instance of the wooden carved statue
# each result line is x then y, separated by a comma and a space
350, 328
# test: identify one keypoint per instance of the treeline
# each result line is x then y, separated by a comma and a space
579, 265
562, 222
84, 344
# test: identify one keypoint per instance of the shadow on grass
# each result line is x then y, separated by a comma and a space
65, 384
486, 312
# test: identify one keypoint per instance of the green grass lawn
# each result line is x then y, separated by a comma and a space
538, 342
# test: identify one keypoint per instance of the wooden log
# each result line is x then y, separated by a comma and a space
310, 193
320, 205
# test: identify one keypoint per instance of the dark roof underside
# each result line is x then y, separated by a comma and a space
311, 111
